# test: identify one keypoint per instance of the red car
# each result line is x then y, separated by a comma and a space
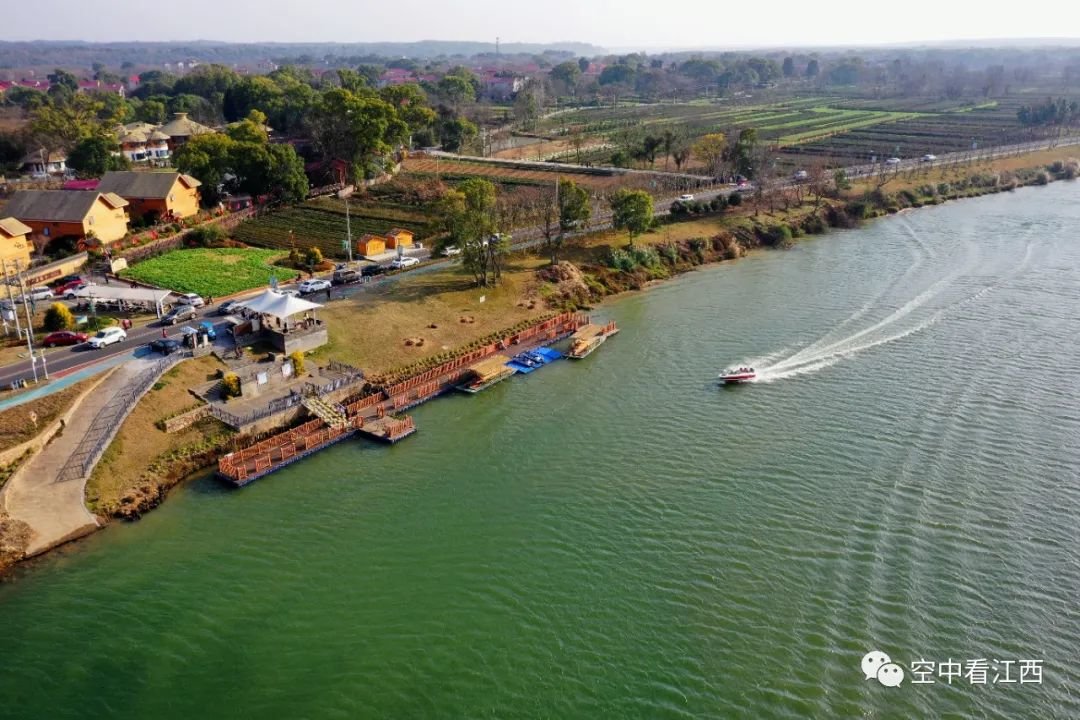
64, 337
69, 285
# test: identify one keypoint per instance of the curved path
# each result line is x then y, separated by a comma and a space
55, 509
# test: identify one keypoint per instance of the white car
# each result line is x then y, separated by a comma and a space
107, 336
451, 250
41, 293
70, 292
313, 285
688, 197
892, 161
929, 158
801, 175
404, 262
291, 293
190, 299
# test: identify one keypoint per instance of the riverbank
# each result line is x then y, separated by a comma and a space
379, 330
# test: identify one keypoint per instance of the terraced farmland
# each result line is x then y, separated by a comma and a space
450, 170
321, 223
937, 133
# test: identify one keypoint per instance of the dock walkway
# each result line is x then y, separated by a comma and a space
377, 415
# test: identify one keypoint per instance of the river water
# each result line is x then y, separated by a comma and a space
620, 538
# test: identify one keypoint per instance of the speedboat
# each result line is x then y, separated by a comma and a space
738, 375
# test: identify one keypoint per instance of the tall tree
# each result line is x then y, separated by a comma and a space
359, 129
631, 210
469, 217
812, 68
710, 150
789, 67
743, 154
96, 155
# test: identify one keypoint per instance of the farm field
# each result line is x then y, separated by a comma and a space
209, 271
321, 223
450, 170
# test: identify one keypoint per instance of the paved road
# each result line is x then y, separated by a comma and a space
69, 358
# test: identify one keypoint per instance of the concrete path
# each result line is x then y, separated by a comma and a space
56, 510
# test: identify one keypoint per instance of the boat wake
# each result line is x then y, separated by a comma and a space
905, 316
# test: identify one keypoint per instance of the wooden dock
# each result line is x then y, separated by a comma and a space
377, 415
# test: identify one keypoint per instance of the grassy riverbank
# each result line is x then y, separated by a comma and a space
427, 314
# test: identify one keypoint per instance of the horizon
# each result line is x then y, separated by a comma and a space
836, 23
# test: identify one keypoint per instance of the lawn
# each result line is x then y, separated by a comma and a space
210, 271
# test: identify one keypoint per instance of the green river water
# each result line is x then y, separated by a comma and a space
620, 538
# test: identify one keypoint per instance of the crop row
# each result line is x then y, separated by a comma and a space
305, 226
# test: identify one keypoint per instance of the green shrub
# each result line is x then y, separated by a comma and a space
1041, 178
718, 204
775, 235
944, 188
230, 385
734, 199
669, 253
59, 317
206, 236
297, 362
313, 256
814, 224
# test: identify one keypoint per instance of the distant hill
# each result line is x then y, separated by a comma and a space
42, 53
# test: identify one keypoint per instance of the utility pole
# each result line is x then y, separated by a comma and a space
29, 320
11, 299
345, 193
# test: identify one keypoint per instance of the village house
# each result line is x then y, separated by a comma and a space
78, 214
40, 163
142, 142
181, 129
166, 195
14, 241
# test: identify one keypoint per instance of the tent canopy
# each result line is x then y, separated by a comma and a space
115, 292
278, 305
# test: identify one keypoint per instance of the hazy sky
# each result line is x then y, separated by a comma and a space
609, 23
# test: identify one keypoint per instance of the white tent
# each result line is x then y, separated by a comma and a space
278, 305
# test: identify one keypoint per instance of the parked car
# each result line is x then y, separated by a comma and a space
63, 288
191, 299
107, 336
66, 280
208, 327
893, 161
372, 270
36, 294
291, 293
451, 251
228, 307
686, 197
313, 285
72, 288
64, 337
404, 262
928, 157
800, 175
344, 276
179, 313
165, 346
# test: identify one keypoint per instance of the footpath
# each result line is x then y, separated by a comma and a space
48, 492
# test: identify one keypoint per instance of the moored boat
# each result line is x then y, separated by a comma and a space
588, 338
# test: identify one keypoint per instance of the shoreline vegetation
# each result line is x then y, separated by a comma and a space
402, 328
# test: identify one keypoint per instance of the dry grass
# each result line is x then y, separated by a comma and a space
370, 329
139, 441
931, 176
16, 426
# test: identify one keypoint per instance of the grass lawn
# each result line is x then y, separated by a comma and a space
16, 426
209, 271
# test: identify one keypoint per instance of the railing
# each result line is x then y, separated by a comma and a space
108, 420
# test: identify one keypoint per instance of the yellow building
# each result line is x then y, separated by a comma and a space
80, 214
371, 245
166, 195
398, 238
15, 241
